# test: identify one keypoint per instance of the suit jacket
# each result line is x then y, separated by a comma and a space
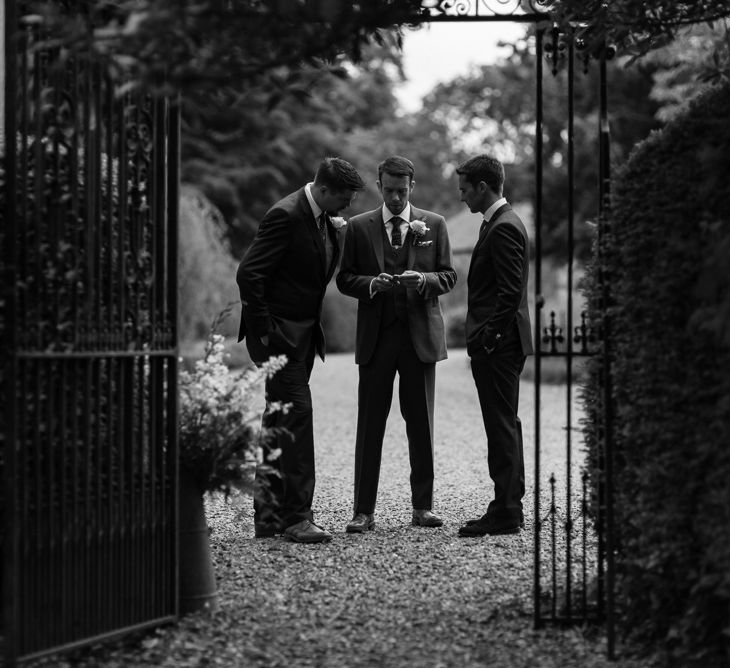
282, 280
497, 312
362, 261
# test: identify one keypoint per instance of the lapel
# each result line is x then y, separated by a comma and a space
375, 230
484, 231
411, 238
311, 224
334, 238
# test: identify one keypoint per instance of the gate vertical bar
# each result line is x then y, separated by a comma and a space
173, 208
538, 306
569, 338
8, 507
604, 212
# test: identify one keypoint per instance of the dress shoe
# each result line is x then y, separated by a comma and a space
360, 523
425, 518
307, 531
522, 521
267, 530
490, 525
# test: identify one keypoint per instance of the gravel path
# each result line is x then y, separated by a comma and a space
398, 596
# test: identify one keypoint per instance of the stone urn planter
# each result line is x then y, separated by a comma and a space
219, 436
196, 584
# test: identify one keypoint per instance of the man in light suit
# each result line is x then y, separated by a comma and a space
396, 262
282, 280
498, 337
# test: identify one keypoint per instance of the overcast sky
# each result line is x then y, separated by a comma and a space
440, 51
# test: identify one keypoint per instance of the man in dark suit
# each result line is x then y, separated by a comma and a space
498, 337
282, 280
396, 262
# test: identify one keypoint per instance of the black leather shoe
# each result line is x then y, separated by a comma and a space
425, 518
361, 523
307, 531
267, 530
489, 525
470, 522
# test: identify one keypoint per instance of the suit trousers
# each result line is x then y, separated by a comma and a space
284, 485
497, 379
393, 353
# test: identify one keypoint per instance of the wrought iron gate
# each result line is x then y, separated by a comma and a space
573, 524
88, 440
573, 531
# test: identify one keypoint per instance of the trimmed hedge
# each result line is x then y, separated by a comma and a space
667, 258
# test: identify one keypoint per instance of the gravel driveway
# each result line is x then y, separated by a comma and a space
397, 596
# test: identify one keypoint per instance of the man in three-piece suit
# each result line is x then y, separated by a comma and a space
396, 262
282, 280
498, 337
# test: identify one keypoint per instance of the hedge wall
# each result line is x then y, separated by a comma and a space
668, 261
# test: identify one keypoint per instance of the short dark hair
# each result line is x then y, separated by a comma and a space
396, 165
338, 175
483, 168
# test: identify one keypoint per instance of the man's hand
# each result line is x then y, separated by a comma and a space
410, 279
381, 283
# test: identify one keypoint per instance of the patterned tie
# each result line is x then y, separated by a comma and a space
395, 240
322, 225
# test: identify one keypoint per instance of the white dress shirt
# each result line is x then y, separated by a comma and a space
404, 215
490, 211
315, 207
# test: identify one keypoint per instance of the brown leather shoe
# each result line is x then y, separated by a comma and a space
425, 518
360, 523
307, 531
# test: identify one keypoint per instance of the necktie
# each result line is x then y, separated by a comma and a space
395, 239
322, 225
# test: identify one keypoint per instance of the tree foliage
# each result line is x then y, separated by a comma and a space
246, 150
695, 60
168, 45
636, 27
493, 108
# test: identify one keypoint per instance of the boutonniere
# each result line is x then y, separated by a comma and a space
418, 227
338, 222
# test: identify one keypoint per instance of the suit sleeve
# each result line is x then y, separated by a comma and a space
443, 278
260, 262
349, 281
508, 248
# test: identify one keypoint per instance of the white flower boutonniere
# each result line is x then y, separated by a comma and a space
418, 227
338, 222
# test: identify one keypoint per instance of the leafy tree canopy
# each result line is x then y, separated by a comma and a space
209, 44
636, 27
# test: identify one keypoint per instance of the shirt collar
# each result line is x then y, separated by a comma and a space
492, 209
404, 215
315, 207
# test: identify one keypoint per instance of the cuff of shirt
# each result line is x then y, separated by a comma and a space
372, 293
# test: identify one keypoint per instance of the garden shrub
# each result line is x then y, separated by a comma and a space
667, 262
206, 269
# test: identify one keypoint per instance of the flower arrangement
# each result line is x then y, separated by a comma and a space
418, 227
220, 433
